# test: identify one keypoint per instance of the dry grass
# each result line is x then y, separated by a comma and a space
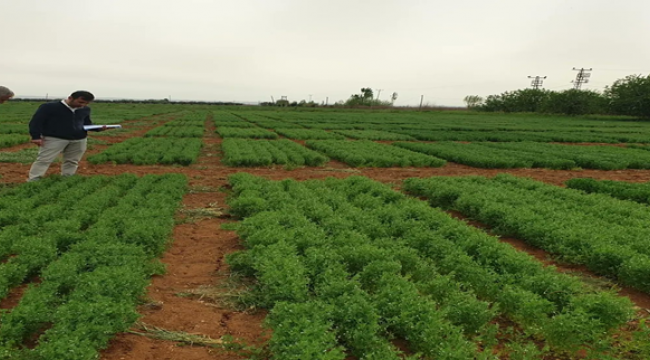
196, 214
178, 336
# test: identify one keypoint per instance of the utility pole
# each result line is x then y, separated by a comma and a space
327, 99
309, 97
537, 82
46, 95
272, 99
378, 92
421, 99
582, 77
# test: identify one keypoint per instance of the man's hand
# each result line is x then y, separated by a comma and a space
38, 142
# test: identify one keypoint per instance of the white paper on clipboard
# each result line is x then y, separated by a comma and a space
99, 127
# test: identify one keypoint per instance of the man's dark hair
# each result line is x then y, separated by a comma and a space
83, 94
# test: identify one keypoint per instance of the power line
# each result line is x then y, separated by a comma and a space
537, 82
582, 77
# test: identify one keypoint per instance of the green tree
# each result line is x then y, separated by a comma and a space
630, 96
574, 102
473, 101
366, 94
526, 100
365, 98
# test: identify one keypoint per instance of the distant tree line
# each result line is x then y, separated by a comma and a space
627, 96
365, 98
132, 101
287, 103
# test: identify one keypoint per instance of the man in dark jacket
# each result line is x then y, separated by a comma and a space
58, 127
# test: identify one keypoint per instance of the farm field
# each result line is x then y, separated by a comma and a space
203, 232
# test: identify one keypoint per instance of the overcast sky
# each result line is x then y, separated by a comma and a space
250, 50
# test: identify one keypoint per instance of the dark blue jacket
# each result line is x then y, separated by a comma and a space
56, 120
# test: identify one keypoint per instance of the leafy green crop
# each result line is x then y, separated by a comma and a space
380, 263
241, 152
610, 236
639, 192
370, 154
94, 251
148, 151
252, 133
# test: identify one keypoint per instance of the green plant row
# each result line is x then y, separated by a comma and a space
334, 126
194, 118
459, 121
23, 156
374, 135
609, 236
7, 140
242, 152
14, 129
13, 119
306, 328
35, 232
638, 146
276, 125
517, 136
361, 118
267, 122
462, 126
232, 120
385, 263
234, 124
639, 192
101, 253
590, 157
148, 151
227, 119
111, 113
227, 116
533, 155
187, 125
309, 134
196, 122
478, 155
364, 153
250, 133
187, 131
528, 127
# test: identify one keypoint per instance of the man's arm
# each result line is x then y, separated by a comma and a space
87, 120
36, 124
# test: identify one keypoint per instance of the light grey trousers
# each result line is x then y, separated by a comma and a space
72, 151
